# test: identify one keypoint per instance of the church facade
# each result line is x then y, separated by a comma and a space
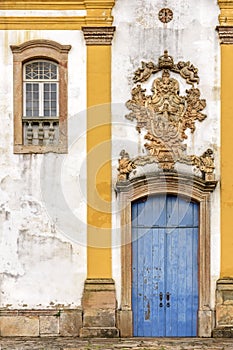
116, 162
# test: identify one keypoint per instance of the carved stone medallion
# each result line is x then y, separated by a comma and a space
166, 115
165, 15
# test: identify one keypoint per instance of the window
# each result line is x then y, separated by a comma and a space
40, 103
41, 89
40, 97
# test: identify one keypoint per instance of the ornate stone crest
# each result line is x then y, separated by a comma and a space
166, 115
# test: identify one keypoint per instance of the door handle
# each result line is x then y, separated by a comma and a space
168, 299
161, 299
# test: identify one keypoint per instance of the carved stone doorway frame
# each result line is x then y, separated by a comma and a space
185, 185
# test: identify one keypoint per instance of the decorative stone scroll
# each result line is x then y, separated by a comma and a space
166, 116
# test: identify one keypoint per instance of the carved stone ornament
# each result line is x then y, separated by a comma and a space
166, 116
98, 35
165, 15
225, 34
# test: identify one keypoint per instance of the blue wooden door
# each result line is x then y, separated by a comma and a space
165, 266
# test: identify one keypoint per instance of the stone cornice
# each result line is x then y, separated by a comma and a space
53, 23
98, 35
56, 4
226, 12
99, 4
225, 34
98, 13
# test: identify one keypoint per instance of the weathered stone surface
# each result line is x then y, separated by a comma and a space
96, 318
99, 332
224, 315
224, 308
205, 318
49, 325
70, 322
61, 343
13, 326
224, 332
99, 309
91, 299
124, 323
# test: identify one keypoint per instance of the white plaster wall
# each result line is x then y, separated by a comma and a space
190, 36
42, 197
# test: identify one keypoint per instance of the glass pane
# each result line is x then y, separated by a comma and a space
28, 87
53, 96
46, 87
46, 95
28, 96
54, 87
29, 105
53, 113
36, 87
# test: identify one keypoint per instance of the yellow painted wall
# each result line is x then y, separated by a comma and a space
99, 161
227, 161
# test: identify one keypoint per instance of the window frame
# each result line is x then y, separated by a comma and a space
36, 50
41, 83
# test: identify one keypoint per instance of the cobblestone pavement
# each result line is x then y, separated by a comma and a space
115, 344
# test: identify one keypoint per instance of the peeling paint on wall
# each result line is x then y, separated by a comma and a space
43, 265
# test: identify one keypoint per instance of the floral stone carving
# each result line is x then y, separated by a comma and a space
166, 116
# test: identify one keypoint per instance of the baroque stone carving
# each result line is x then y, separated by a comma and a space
125, 165
166, 115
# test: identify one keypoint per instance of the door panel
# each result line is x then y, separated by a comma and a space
164, 266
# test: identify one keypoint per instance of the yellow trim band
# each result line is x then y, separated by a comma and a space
226, 161
55, 4
52, 23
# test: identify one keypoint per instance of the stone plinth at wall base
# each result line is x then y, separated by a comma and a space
223, 332
19, 326
125, 323
99, 332
70, 322
44, 323
205, 323
99, 309
224, 308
